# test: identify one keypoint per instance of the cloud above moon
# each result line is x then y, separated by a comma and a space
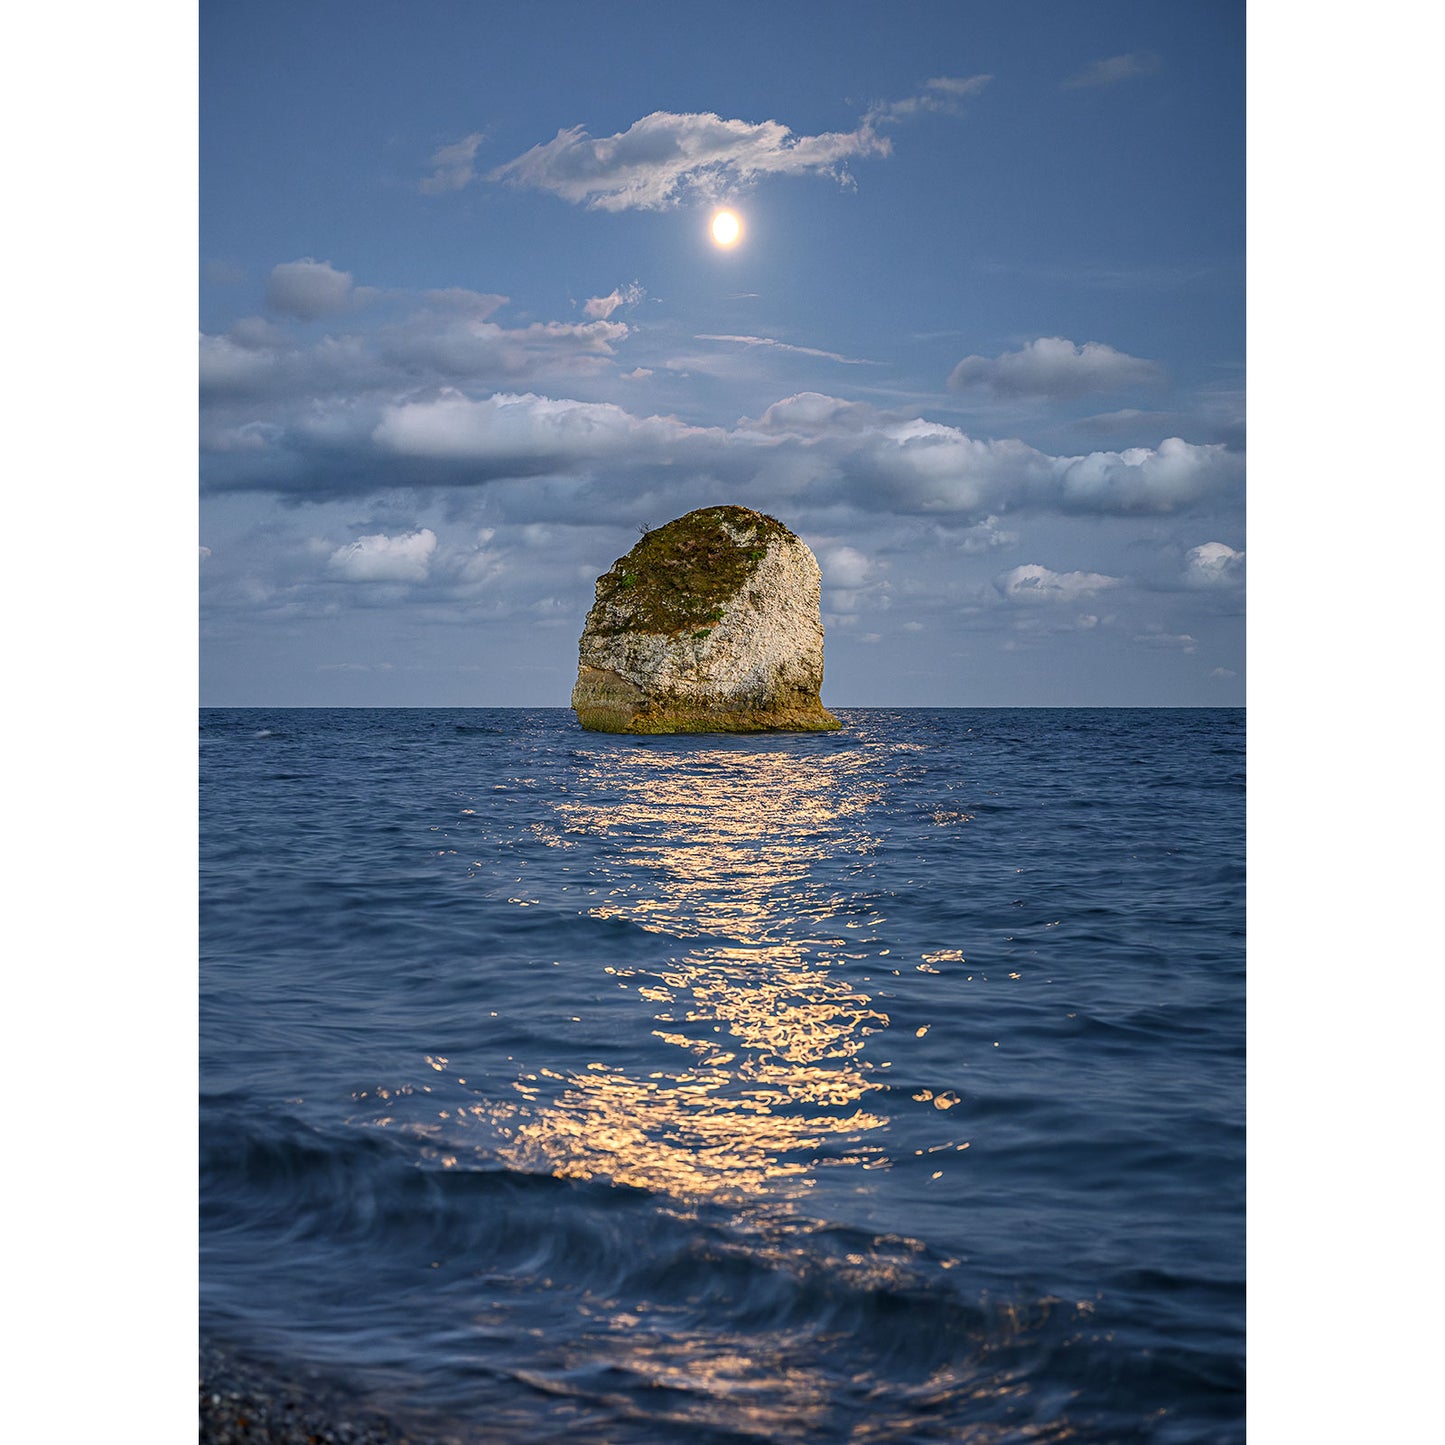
669, 156
664, 157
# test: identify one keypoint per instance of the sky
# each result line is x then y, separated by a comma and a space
464, 332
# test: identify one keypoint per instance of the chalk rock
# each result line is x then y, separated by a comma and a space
709, 624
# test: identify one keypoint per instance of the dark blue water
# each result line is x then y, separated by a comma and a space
884, 1085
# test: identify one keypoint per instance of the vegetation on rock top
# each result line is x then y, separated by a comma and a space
680, 577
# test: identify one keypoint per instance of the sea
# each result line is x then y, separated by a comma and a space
878, 1085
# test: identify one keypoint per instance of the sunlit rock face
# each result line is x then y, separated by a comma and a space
710, 624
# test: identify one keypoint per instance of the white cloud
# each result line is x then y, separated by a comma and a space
455, 345
524, 435
308, 289
814, 412
928, 468
1033, 583
941, 96
768, 341
984, 535
224, 366
599, 308
1115, 69
665, 156
431, 390
846, 567
1052, 366
255, 333
1166, 478
442, 337
453, 166
1157, 637
379, 558
1213, 564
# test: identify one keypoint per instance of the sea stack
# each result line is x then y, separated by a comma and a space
710, 624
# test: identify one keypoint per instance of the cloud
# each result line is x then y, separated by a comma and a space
599, 308
399, 409
1055, 368
1214, 415
1157, 637
768, 341
453, 166
985, 535
458, 346
431, 390
1115, 69
441, 338
380, 558
665, 156
814, 412
1032, 583
942, 96
927, 468
846, 567
308, 289
1166, 478
527, 435
1213, 564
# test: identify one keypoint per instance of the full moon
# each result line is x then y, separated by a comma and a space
726, 228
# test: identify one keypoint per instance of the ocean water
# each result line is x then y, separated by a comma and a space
883, 1085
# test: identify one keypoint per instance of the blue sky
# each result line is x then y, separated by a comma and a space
464, 331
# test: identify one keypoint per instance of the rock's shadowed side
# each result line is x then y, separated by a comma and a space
709, 624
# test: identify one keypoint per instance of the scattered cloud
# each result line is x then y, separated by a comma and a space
814, 412
1216, 415
846, 567
1157, 637
768, 341
1056, 368
942, 96
1115, 69
1213, 565
665, 157
433, 390
523, 435
380, 558
599, 308
309, 289
1032, 583
453, 166
985, 535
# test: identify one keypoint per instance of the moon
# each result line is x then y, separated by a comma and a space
727, 229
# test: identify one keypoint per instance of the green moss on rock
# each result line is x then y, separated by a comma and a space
677, 578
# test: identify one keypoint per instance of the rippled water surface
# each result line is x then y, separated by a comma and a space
884, 1085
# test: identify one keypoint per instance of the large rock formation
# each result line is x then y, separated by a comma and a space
709, 624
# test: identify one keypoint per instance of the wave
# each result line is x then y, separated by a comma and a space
663, 1316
